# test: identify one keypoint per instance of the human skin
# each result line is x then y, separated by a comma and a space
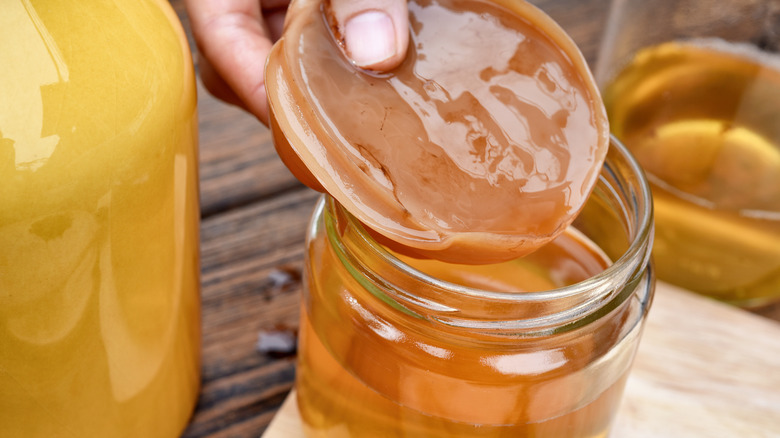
234, 38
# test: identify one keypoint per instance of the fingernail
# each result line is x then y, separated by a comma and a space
370, 38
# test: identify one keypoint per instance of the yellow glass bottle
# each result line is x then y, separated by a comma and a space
99, 289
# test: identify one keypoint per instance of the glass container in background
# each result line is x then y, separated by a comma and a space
99, 286
539, 346
692, 87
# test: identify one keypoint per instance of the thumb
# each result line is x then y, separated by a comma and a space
374, 33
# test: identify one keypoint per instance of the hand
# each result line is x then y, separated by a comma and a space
235, 36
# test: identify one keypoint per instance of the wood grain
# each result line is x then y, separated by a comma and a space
703, 370
239, 164
242, 249
255, 214
583, 20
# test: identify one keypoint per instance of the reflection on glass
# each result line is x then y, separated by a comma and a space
702, 115
98, 221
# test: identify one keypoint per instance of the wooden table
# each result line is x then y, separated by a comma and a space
254, 215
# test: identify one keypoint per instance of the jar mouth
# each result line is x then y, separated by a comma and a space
621, 178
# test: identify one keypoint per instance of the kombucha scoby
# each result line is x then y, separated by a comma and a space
482, 146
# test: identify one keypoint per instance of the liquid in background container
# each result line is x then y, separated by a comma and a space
692, 87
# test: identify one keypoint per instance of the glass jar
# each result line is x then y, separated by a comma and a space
692, 87
540, 346
99, 215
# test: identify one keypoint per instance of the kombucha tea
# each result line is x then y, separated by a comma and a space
364, 372
703, 119
99, 219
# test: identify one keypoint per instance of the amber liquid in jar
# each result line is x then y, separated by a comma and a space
366, 370
703, 119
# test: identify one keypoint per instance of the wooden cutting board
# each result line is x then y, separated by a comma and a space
703, 370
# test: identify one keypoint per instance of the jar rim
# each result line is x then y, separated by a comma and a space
589, 295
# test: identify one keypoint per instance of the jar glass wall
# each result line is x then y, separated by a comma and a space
539, 346
692, 87
99, 216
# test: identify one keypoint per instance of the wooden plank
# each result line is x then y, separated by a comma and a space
771, 311
244, 251
703, 369
583, 20
238, 162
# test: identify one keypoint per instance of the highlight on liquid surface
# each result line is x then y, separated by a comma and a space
703, 119
482, 146
99, 311
364, 372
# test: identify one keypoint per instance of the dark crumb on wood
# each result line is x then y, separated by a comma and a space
280, 280
769, 39
283, 277
279, 341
